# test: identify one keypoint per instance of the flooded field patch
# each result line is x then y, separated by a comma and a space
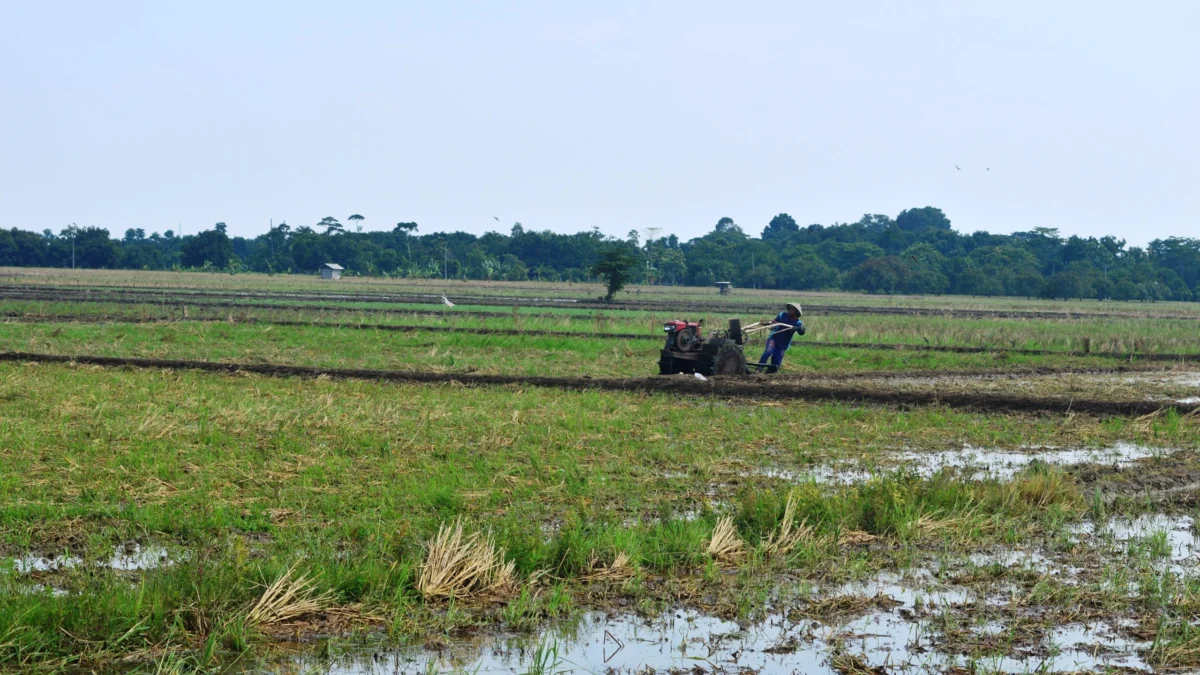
967, 462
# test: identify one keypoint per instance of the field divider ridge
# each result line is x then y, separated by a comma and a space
682, 385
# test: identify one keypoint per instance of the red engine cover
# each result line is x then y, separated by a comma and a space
676, 325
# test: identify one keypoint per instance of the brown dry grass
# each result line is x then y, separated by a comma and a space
790, 534
288, 599
855, 537
726, 546
620, 568
459, 565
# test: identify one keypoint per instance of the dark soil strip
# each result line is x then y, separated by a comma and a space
739, 387
402, 328
694, 307
1014, 372
175, 304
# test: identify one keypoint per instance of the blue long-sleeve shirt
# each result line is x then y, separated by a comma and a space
782, 335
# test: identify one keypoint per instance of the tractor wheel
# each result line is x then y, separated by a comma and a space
730, 361
687, 339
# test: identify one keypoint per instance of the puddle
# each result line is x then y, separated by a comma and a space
970, 461
1013, 558
1006, 463
30, 563
883, 634
126, 558
909, 589
1028, 560
1099, 646
1190, 379
138, 557
1180, 532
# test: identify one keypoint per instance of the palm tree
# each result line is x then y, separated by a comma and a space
357, 220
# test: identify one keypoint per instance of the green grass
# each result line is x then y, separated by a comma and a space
1114, 335
450, 352
248, 476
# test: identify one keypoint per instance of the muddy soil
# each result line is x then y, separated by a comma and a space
1166, 387
740, 387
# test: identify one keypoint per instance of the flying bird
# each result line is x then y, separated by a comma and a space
956, 166
497, 219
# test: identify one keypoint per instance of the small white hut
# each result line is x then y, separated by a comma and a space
331, 271
723, 287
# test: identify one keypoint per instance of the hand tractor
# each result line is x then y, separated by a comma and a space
688, 351
721, 353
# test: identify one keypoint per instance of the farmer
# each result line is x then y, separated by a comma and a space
786, 325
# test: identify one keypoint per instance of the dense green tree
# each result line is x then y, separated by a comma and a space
926, 267
94, 249
614, 267
209, 248
1064, 286
672, 265
8, 249
726, 224
914, 253
914, 220
888, 274
847, 255
803, 269
781, 226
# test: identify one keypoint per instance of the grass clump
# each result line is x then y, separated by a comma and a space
458, 566
725, 545
289, 598
790, 534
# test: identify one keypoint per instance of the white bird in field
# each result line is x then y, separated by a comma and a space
446, 301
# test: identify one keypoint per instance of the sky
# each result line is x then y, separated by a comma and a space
1075, 114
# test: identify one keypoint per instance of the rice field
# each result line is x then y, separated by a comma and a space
176, 519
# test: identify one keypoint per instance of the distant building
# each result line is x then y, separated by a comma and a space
724, 287
331, 271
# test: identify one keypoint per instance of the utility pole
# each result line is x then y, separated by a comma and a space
445, 262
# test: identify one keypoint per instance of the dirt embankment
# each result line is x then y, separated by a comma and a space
738, 387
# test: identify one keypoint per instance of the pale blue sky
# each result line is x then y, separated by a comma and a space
621, 115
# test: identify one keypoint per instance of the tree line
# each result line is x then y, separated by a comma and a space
916, 252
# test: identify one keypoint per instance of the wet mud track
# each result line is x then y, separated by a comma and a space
749, 387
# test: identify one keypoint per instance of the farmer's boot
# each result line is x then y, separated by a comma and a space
772, 369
